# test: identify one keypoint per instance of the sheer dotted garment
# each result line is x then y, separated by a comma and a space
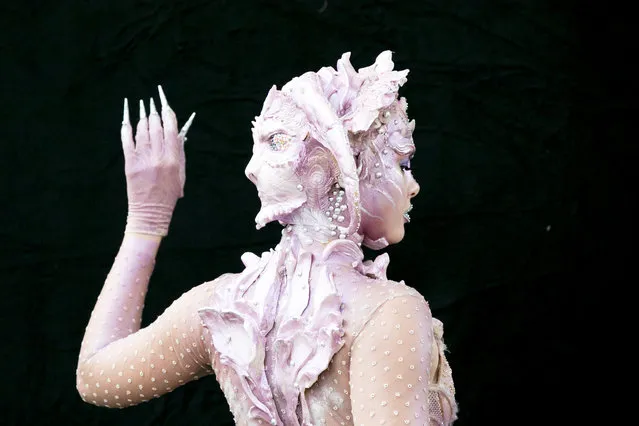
391, 369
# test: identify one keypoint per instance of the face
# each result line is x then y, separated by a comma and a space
278, 139
387, 184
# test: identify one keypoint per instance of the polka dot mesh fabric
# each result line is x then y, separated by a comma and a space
391, 369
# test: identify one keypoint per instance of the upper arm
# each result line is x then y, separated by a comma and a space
390, 364
152, 361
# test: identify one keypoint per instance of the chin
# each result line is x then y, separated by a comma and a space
383, 231
395, 235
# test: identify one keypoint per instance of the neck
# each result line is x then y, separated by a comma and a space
322, 242
315, 229
297, 241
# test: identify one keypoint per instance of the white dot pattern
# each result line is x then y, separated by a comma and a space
373, 379
122, 365
391, 386
390, 371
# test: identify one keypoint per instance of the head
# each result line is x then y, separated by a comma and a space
332, 152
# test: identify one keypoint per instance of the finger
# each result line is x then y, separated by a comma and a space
169, 122
185, 128
126, 132
155, 130
142, 140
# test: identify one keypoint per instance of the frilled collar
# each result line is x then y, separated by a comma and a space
279, 323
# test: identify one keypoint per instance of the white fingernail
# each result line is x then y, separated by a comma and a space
163, 101
142, 110
125, 115
152, 107
187, 125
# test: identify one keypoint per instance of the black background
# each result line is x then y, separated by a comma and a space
524, 114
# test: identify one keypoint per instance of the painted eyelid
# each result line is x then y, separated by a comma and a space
269, 136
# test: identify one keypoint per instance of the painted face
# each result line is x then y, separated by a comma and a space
387, 205
278, 141
386, 180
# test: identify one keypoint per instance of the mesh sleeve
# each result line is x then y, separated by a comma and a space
151, 361
390, 365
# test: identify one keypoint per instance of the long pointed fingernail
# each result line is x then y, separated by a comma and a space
142, 110
125, 115
163, 101
187, 125
152, 107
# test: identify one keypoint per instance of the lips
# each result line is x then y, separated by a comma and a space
406, 215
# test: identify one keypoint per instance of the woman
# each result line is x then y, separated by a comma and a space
308, 333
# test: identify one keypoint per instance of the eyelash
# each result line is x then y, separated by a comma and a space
405, 166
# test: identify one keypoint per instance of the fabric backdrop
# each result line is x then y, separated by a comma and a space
523, 113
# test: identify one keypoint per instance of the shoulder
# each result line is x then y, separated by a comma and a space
392, 356
384, 292
201, 295
384, 302
405, 304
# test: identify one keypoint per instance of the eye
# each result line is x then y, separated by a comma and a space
279, 141
405, 165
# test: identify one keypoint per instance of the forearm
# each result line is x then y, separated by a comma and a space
118, 310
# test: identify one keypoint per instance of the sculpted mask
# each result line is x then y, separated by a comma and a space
301, 156
279, 137
332, 152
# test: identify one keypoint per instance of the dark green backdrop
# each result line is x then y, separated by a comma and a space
523, 112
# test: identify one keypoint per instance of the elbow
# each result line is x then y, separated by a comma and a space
83, 387
93, 387
80, 384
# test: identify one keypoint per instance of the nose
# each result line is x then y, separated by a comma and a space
251, 170
413, 188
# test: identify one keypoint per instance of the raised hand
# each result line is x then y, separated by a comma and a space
154, 164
